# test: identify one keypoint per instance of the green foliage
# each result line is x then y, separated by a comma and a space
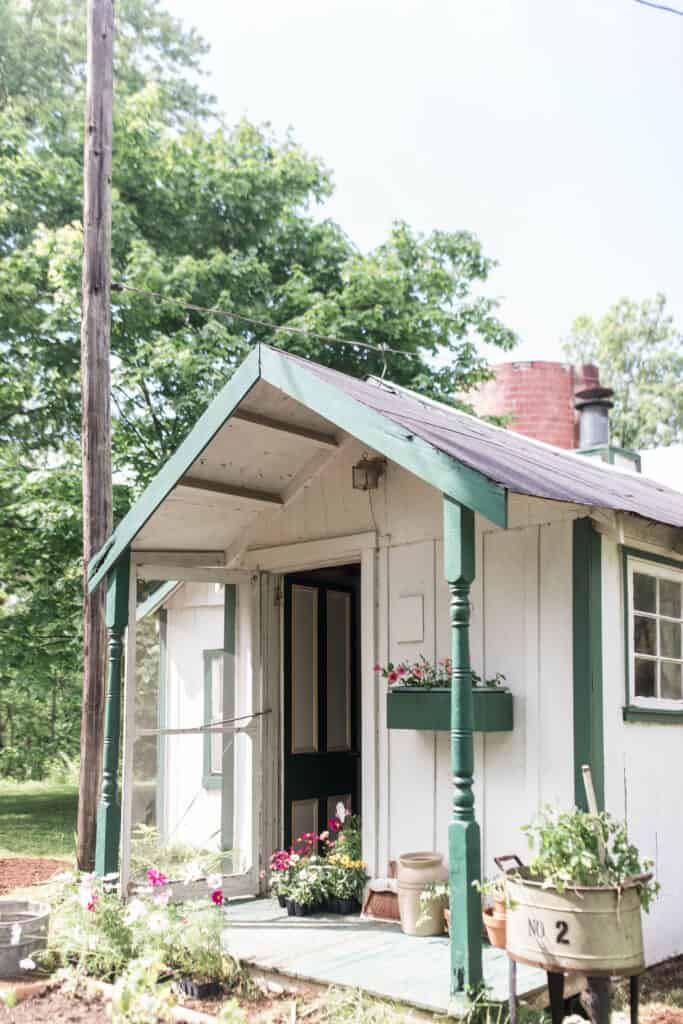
569, 846
38, 818
639, 351
174, 858
203, 213
138, 998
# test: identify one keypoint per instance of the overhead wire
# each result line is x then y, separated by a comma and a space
660, 7
381, 349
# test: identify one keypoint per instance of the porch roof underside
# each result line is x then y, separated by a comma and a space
281, 420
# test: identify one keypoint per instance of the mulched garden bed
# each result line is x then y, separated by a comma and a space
16, 872
54, 1006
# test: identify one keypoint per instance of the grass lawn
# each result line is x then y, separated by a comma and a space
37, 819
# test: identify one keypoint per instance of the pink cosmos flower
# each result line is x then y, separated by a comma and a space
217, 897
156, 878
376, 668
392, 677
334, 825
88, 897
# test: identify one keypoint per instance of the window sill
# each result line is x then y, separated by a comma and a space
662, 716
212, 781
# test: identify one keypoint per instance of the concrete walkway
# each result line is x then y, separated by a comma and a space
376, 957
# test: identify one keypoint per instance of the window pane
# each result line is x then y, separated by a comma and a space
304, 817
670, 598
644, 592
645, 635
669, 639
645, 678
671, 680
217, 667
304, 669
338, 670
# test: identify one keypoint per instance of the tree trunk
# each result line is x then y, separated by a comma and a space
95, 391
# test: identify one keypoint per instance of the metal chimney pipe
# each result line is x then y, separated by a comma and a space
593, 405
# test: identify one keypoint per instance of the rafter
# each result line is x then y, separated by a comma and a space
218, 487
327, 440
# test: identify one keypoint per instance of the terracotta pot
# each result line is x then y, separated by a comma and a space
414, 871
496, 927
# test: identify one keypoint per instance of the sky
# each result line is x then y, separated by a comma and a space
552, 129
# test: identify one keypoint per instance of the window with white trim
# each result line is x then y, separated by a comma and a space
655, 623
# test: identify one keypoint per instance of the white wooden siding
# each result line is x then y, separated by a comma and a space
642, 761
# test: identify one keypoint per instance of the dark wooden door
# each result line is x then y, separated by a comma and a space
322, 708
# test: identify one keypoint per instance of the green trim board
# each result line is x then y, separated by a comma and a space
430, 710
229, 706
156, 598
610, 450
652, 716
206, 427
464, 485
589, 747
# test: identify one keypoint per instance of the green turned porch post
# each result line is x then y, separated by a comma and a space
464, 854
109, 809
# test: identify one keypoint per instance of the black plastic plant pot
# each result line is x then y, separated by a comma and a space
282, 901
302, 909
290, 907
200, 990
348, 907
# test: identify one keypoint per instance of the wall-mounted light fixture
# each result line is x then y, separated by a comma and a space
366, 473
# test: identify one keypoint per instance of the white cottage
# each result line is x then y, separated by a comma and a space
289, 583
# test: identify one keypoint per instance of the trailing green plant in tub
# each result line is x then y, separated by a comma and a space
577, 906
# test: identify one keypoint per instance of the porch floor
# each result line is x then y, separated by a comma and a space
371, 955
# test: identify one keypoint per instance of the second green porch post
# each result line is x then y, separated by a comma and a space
109, 809
464, 852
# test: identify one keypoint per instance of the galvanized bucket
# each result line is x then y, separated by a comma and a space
593, 931
23, 931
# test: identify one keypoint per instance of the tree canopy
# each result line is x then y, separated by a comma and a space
205, 214
639, 350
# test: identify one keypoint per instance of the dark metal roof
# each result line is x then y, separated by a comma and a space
523, 465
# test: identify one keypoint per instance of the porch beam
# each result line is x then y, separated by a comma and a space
218, 487
464, 845
109, 810
188, 574
325, 440
202, 558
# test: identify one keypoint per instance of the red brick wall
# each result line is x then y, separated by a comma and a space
539, 396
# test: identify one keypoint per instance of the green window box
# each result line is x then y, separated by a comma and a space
419, 708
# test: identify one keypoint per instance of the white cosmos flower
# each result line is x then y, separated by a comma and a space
157, 922
342, 813
193, 871
27, 964
214, 881
136, 910
16, 934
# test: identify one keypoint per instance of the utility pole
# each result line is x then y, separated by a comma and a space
95, 391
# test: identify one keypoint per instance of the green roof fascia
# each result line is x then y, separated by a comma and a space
239, 385
459, 482
156, 598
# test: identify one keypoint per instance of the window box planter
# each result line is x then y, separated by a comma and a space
419, 708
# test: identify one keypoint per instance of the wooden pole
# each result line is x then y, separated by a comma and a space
95, 389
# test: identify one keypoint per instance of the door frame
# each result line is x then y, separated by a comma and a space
274, 563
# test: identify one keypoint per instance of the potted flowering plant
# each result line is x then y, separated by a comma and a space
419, 697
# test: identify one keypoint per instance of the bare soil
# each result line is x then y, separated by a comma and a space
58, 1008
16, 872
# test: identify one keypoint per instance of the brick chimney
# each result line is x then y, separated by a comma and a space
539, 396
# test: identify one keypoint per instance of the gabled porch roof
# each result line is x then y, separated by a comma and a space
281, 418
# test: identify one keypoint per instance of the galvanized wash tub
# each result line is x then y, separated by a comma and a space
592, 931
23, 931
